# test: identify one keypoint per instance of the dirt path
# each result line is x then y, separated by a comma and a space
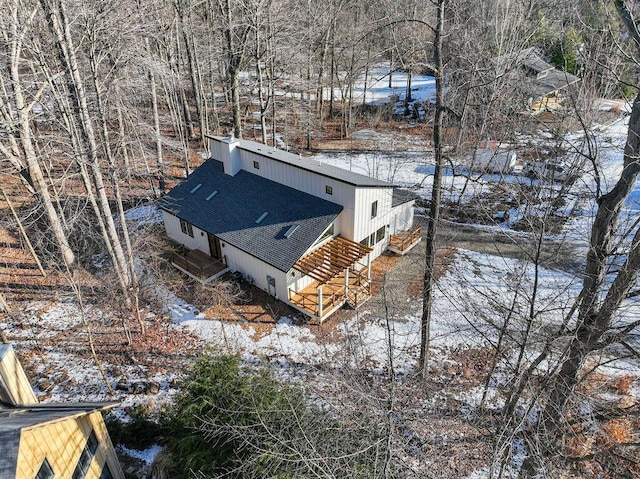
554, 254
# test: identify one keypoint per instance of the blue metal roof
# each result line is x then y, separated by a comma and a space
233, 212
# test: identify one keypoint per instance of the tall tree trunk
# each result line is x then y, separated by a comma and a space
599, 298
26, 143
434, 206
59, 25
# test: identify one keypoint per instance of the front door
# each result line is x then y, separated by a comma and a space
214, 247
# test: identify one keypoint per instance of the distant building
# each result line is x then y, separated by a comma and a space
301, 230
46, 441
542, 81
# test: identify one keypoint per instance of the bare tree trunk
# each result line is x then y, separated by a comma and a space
156, 127
599, 299
59, 25
434, 206
26, 143
23, 232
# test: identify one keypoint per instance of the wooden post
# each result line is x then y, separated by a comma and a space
24, 233
320, 303
346, 281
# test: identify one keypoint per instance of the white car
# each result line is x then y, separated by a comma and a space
550, 170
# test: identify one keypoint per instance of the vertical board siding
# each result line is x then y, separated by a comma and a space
402, 218
172, 227
299, 179
248, 265
365, 225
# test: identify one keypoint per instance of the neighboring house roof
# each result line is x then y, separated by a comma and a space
402, 196
13, 419
308, 164
4, 349
545, 78
232, 213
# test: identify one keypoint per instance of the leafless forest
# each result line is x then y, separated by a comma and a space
104, 105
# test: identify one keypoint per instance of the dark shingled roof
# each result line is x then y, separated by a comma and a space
547, 78
308, 164
401, 196
240, 200
15, 418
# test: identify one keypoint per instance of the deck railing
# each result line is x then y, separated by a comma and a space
198, 264
309, 300
404, 240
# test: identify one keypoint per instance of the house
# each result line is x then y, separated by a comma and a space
301, 230
542, 81
46, 441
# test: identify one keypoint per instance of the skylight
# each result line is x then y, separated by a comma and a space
290, 231
196, 188
263, 216
211, 195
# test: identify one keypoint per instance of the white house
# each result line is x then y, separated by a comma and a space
301, 230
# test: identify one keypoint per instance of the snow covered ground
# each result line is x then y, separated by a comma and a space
473, 282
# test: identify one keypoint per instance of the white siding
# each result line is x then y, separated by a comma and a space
402, 218
256, 271
364, 224
228, 153
299, 179
297, 281
172, 227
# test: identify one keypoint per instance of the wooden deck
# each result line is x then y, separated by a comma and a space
402, 242
333, 294
199, 265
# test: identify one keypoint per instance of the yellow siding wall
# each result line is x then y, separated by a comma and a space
61, 443
14, 385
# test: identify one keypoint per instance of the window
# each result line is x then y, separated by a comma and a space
365, 241
328, 189
380, 234
372, 239
86, 457
374, 209
186, 227
290, 231
45, 471
214, 193
106, 473
256, 165
262, 216
327, 233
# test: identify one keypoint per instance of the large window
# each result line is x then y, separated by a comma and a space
86, 457
327, 234
374, 209
45, 471
186, 227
